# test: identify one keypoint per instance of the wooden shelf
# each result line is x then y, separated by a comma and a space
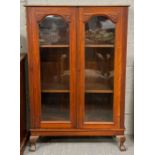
67, 91
53, 46
99, 46
54, 88
90, 88
54, 91
99, 91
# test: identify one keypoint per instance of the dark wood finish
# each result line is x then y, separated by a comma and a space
23, 121
76, 126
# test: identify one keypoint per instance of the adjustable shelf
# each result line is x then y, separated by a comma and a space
54, 46
101, 46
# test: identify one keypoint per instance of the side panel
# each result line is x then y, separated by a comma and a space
33, 68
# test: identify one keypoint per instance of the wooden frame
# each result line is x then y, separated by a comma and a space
77, 16
118, 15
35, 15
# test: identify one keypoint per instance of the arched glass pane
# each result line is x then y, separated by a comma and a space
99, 30
99, 69
55, 69
53, 30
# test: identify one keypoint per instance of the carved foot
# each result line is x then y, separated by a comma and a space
33, 140
122, 140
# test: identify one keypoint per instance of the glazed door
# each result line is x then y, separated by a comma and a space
54, 51
98, 64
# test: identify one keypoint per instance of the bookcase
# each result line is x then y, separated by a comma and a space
77, 66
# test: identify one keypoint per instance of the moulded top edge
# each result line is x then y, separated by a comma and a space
118, 5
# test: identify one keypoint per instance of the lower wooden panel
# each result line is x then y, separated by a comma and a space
76, 132
56, 124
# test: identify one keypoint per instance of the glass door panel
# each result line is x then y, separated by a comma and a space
55, 69
53, 31
99, 107
99, 30
55, 106
99, 69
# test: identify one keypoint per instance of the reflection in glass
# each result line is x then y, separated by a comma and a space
53, 30
99, 107
99, 30
55, 107
54, 68
99, 68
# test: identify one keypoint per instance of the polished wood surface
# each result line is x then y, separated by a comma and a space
99, 46
41, 71
117, 15
37, 14
53, 46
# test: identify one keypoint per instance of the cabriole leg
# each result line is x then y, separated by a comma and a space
33, 140
122, 140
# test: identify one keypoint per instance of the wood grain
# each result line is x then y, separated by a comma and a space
76, 17
53, 46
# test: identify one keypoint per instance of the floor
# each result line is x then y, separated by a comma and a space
80, 146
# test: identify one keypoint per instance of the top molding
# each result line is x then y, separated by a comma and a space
35, 5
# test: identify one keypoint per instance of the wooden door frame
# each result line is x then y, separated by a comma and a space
118, 15
34, 16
